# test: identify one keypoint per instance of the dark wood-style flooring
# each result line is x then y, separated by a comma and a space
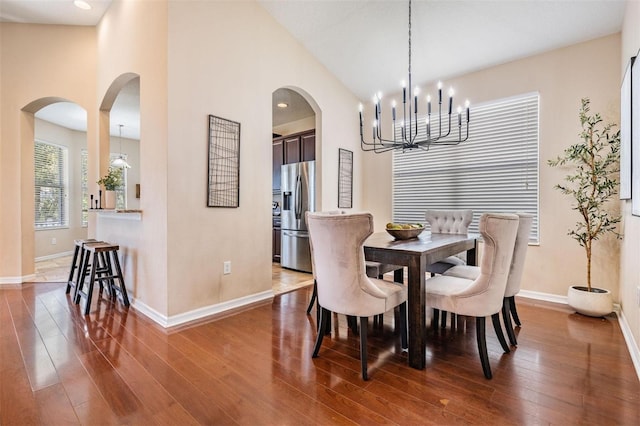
255, 368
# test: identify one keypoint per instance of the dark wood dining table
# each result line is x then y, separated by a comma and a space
416, 254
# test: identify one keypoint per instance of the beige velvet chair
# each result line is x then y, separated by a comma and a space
343, 287
483, 296
447, 222
515, 274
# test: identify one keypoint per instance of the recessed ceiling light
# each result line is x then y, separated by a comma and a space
82, 4
282, 105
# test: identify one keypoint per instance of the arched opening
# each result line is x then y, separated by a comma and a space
296, 148
56, 195
120, 122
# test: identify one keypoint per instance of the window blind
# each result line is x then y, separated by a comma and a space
50, 185
495, 170
84, 186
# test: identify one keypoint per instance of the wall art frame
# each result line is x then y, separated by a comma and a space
223, 186
345, 179
635, 138
626, 132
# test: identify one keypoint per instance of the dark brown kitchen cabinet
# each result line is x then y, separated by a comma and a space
292, 149
278, 161
308, 146
276, 243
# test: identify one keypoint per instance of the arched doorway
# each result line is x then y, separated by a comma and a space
55, 133
120, 126
295, 143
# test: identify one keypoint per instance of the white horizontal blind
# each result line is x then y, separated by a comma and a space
495, 170
50, 185
84, 186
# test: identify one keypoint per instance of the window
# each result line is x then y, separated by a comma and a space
50, 185
495, 170
84, 186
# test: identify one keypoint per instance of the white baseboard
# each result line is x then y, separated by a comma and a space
200, 313
634, 350
53, 256
13, 281
632, 345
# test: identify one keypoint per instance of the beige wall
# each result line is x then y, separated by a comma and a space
132, 38
629, 265
562, 77
226, 59
40, 64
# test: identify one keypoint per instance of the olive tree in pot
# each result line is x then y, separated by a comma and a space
592, 184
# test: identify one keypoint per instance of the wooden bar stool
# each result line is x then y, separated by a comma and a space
105, 270
76, 264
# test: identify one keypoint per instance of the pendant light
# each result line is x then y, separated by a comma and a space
120, 161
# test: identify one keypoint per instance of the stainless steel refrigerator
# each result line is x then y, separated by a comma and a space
298, 196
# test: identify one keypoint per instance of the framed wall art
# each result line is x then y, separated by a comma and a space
345, 179
625, 133
223, 189
635, 139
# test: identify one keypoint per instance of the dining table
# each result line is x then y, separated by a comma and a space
416, 254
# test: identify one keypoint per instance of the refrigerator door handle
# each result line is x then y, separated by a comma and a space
295, 234
298, 198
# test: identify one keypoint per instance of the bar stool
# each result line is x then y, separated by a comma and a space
103, 257
76, 264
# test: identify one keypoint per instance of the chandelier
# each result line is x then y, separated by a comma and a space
409, 137
120, 161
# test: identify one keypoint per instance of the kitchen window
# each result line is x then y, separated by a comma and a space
50, 177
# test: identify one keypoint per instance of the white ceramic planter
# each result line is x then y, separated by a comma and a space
592, 303
109, 200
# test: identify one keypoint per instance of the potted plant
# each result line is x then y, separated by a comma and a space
111, 181
592, 184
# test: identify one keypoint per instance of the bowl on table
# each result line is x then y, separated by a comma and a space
405, 231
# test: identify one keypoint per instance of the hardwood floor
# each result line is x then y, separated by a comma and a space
255, 368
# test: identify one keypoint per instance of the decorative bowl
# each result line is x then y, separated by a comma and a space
405, 234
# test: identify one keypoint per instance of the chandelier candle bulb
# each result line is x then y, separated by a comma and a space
393, 109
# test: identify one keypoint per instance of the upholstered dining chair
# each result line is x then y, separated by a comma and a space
343, 287
483, 296
515, 274
447, 222
373, 270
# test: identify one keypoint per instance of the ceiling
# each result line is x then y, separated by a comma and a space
364, 43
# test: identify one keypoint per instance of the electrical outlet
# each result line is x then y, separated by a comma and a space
54, 241
227, 267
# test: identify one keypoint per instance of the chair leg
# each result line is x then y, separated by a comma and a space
482, 346
443, 322
324, 314
453, 321
313, 297
352, 323
514, 312
506, 317
495, 318
436, 318
363, 346
403, 325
